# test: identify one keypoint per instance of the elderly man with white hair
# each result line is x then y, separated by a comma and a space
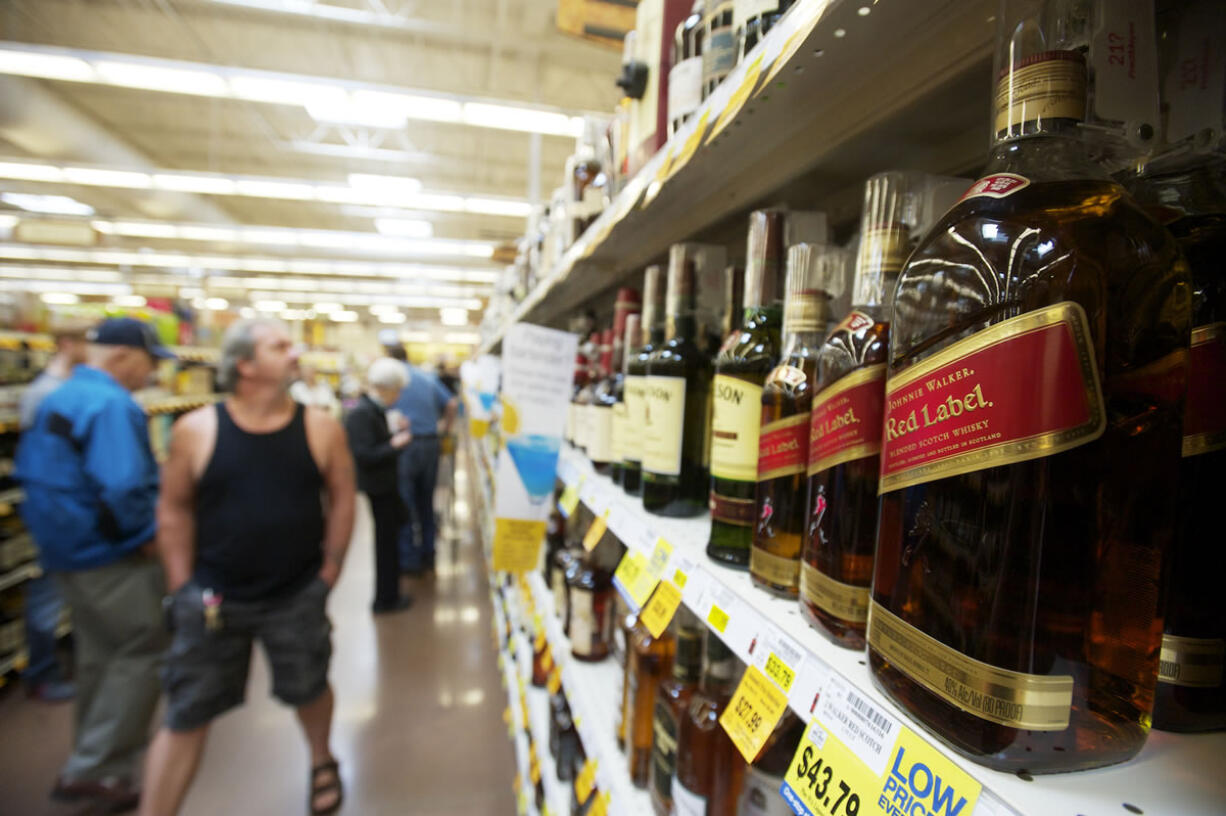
376, 450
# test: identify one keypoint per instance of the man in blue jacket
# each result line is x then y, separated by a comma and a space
91, 487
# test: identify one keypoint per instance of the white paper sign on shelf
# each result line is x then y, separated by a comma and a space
536, 381
859, 722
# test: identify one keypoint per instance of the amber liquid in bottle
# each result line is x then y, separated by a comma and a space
741, 367
783, 446
1049, 566
652, 664
710, 769
760, 795
1191, 692
671, 702
591, 608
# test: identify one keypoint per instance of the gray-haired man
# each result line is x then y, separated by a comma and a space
254, 520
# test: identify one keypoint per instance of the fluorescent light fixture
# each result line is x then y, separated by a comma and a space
328, 308
50, 204
246, 312
415, 337
60, 298
381, 308
344, 317
144, 229
269, 305
197, 302
270, 235
392, 317
462, 338
254, 88
345, 108
191, 293
404, 227
101, 177
411, 106
434, 201
29, 171
45, 66
293, 314
384, 184
328, 239
153, 77
8, 220
191, 232
454, 317
275, 189
131, 301
528, 120
209, 184
498, 206
216, 304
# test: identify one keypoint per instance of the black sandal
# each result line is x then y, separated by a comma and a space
334, 784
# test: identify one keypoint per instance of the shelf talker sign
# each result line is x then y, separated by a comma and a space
537, 371
480, 383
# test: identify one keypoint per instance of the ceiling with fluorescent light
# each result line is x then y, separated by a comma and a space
250, 139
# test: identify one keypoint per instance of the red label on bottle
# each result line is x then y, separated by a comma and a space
783, 447
1204, 418
853, 323
846, 419
737, 512
1022, 389
997, 185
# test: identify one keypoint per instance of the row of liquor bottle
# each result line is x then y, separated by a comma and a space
672, 692
994, 472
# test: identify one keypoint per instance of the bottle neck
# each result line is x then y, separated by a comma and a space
681, 326
883, 251
805, 313
1043, 93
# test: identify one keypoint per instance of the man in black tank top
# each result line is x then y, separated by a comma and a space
254, 520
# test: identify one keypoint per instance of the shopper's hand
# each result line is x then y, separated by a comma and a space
329, 572
400, 439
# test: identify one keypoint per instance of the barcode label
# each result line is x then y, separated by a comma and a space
884, 726
862, 726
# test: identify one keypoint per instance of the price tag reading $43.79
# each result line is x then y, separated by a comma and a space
829, 778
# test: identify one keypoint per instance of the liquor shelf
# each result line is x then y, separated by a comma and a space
1173, 774
19, 575
178, 404
806, 115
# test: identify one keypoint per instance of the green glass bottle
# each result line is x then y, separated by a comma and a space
741, 367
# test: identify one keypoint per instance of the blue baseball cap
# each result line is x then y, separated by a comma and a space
128, 331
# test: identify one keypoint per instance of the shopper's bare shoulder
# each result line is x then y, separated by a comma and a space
193, 436
324, 434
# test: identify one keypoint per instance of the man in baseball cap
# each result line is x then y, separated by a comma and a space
91, 486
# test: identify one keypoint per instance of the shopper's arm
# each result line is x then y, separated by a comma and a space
367, 450
339, 482
176, 536
120, 464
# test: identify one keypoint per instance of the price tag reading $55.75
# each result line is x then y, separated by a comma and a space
829, 778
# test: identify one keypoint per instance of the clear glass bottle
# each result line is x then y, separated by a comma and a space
651, 339
741, 367
623, 431
753, 19
672, 700
844, 453
710, 769
600, 410
685, 76
1025, 518
609, 391
591, 607
678, 403
814, 277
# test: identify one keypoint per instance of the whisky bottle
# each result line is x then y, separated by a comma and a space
754, 18
745, 359
685, 77
600, 431
710, 769
1187, 193
719, 52
652, 338
1030, 455
760, 795
609, 391
672, 701
624, 632
678, 403
623, 431
591, 608
734, 305
651, 665
583, 398
814, 277
845, 429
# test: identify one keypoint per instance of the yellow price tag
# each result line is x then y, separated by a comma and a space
547, 659
569, 499
753, 712
738, 98
555, 681
660, 556
539, 642
679, 578
690, 147
780, 672
827, 778
585, 780
661, 608
596, 531
718, 619
601, 806
635, 577
534, 770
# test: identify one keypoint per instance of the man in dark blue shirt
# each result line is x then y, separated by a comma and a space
430, 410
91, 486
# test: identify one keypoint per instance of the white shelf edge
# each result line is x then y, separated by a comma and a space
1180, 771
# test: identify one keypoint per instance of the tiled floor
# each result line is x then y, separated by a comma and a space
418, 726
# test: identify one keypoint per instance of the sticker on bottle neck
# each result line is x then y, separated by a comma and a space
997, 185
1051, 85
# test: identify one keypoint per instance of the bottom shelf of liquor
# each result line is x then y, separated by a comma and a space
1173, 774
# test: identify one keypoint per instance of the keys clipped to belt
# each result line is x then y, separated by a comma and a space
212, 610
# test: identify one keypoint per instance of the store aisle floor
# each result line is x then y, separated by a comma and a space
418, 726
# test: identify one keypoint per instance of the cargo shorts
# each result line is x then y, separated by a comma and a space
205, 673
